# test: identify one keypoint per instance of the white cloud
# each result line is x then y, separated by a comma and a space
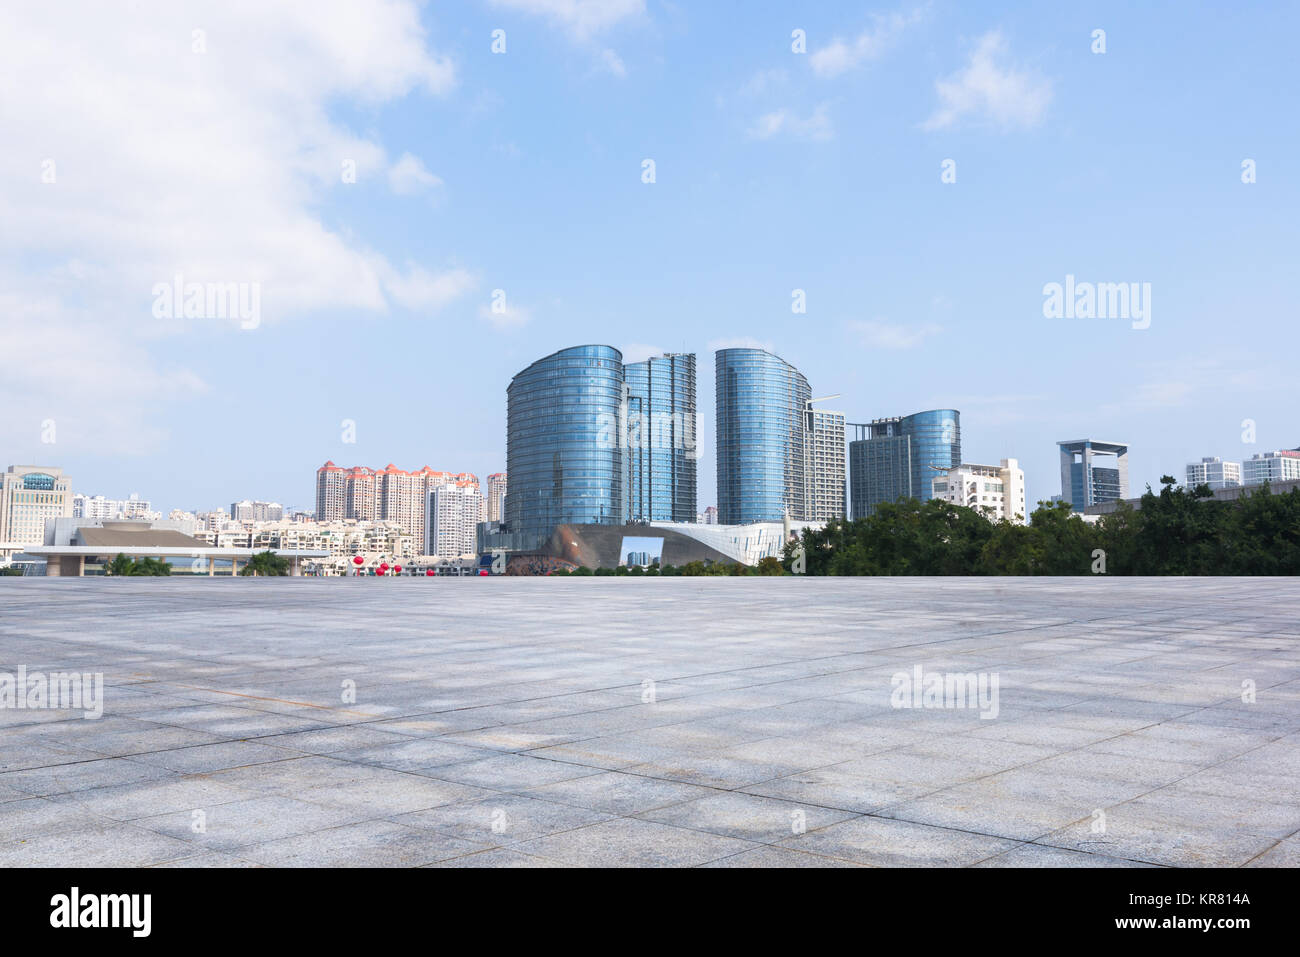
1189, 379
612, 62
205, 155
506, 317
409, 175
419, 289
582, 19
840, 56
765, 81
816, 126
878, 334
97, 390
990, 90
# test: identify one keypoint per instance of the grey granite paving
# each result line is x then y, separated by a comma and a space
655, 722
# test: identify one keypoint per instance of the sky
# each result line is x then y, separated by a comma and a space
380, 178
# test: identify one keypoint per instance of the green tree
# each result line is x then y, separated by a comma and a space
266, 564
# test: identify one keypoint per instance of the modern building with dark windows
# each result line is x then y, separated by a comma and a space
564, 452
898, 457
660, 439
1093, 472
762, 436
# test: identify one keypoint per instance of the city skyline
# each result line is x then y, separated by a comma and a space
781, 181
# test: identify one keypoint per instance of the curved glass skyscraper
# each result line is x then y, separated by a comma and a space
893, 458
564, 454
761, 404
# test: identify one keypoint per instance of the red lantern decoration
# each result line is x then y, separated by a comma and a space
428, 572
397, 569
358, 560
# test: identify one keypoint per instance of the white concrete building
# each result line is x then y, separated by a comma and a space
825, 485
454, 510
996, 491
254, 511
1214, 472
1271, 467
99, 507
747, 544
29, 495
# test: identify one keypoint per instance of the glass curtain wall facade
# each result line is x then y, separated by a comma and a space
1093, 472
661, 449
898, 457
563, 451
761, 400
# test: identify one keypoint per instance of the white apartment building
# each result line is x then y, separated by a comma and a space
996, 491
29, 495
247, 511
1271, 467
825, 486
451, 522
99, 507
343, 540
1214, 472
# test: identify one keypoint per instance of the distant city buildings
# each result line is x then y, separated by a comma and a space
996, 491
247, 511
496, 497
709, 516
1271, 467
1093, 472
660, 450
29, 495
389, 494
895, 458
1214, 472
97, 506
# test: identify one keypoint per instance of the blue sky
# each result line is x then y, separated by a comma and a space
522, 171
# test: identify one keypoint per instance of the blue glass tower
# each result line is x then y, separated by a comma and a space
563, 451
896, 458
761, 401
660, 439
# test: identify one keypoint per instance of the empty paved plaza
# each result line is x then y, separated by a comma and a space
664, 721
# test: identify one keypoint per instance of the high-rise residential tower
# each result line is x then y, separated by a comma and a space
660, 439
564, 452
1093, 472
389, 494
331, 493
496, 497
896, 457
454, 510
826, 486
762, 437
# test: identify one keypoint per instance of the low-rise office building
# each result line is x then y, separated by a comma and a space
89, 547
995, 491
